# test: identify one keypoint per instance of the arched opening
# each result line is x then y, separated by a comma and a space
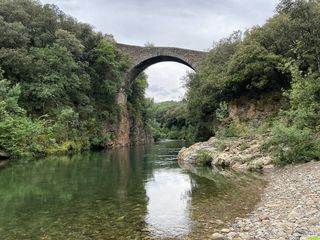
166, 81
136, 70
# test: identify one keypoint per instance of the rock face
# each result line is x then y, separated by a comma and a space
190, 155
255, 109
242, 153
139, 135
128, 131
238, 154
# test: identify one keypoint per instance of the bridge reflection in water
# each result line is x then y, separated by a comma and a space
130, 193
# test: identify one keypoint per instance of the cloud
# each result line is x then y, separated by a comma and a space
178, 23
163, 83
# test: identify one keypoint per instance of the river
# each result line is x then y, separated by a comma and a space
130, 193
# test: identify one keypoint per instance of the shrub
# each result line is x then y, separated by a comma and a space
231, 130
20, 136
204, 158
222, 111
244, 146
221, 145
292, 144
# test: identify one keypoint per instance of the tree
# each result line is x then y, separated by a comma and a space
305, 19
54, 76
70, 42
13, 35
253, 68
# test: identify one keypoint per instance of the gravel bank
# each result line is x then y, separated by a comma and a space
289, 209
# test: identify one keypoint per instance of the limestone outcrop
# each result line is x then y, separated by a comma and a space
239, 154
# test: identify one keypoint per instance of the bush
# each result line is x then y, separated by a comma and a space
20, 136
204, 158
292, 145
230, 130
222, 111
244, 146
221, 145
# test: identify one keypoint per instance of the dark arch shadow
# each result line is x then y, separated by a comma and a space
136, 70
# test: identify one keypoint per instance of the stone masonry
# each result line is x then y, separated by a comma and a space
143, 57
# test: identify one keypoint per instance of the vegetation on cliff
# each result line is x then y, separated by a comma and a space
58, 82
282, 55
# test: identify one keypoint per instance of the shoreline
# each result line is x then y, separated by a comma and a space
289, 207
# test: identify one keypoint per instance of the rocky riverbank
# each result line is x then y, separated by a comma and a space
239, 154
289, 208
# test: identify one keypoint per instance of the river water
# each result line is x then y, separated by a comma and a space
131, 193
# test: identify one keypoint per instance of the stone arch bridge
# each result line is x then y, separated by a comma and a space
143, 57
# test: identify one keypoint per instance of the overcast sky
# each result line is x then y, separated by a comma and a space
193, 24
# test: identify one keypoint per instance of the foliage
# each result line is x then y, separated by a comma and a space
296, 137
253, 68
204, 158
282, 55
244, 146
229, 130
292, 144
304, 98
156, 130
222, 111
62, 82
19, 135
204, 88
172, 121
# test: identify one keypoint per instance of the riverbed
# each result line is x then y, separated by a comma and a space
129, 193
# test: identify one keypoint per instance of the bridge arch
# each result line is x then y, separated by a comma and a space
136, 70
144, 57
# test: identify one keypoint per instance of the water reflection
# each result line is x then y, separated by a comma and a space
130, 193
169, 194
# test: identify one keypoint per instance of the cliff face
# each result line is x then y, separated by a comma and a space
130, 130
139, 133
255, 109
244, 150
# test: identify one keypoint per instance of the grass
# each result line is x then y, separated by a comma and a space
204, 158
